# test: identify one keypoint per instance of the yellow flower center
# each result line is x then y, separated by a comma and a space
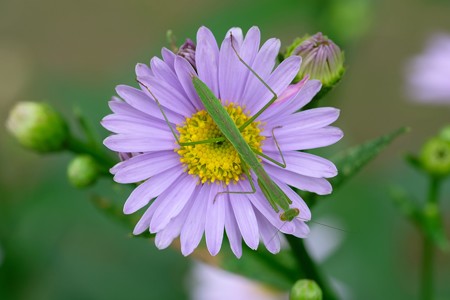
215, 161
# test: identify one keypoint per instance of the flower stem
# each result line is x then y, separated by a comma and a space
77, 146
427, 269
428, 246
308, 267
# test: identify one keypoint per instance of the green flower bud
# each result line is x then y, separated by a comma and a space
305, 289
37, 126
322, 59
83, 171
435, 157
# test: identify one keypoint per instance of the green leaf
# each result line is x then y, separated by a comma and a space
351, 161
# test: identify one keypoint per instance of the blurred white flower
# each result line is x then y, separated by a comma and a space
323, 241
210, 283
428, 74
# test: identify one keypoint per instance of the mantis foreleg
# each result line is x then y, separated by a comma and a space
208, 141
275, 96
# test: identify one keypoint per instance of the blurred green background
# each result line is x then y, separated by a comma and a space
55, 245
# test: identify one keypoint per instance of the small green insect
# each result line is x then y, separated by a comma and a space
248, 155
289, 214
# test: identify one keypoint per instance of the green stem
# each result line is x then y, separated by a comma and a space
427, 269
308, 267
428, 247
87, 130
103, 159
434, 189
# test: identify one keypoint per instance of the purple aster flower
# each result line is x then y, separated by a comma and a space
322, 59
428, 74
183, 181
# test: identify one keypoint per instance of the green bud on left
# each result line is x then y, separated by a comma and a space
322, 59
38, 127
83, 171
435, 157
305, 289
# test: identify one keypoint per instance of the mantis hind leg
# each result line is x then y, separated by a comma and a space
172, 129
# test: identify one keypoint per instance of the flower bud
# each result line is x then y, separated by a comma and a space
187, 50
83, 171
321, 59
435, 157
37, 126
305, 289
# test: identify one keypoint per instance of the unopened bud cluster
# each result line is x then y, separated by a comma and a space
322, 59
83, 171
305, 289
37, 126
435, 154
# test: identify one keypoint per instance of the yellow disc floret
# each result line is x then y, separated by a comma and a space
216, 161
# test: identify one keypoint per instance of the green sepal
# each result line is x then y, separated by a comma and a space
330, 85
314, 103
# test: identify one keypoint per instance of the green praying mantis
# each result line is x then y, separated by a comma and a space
231, 133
